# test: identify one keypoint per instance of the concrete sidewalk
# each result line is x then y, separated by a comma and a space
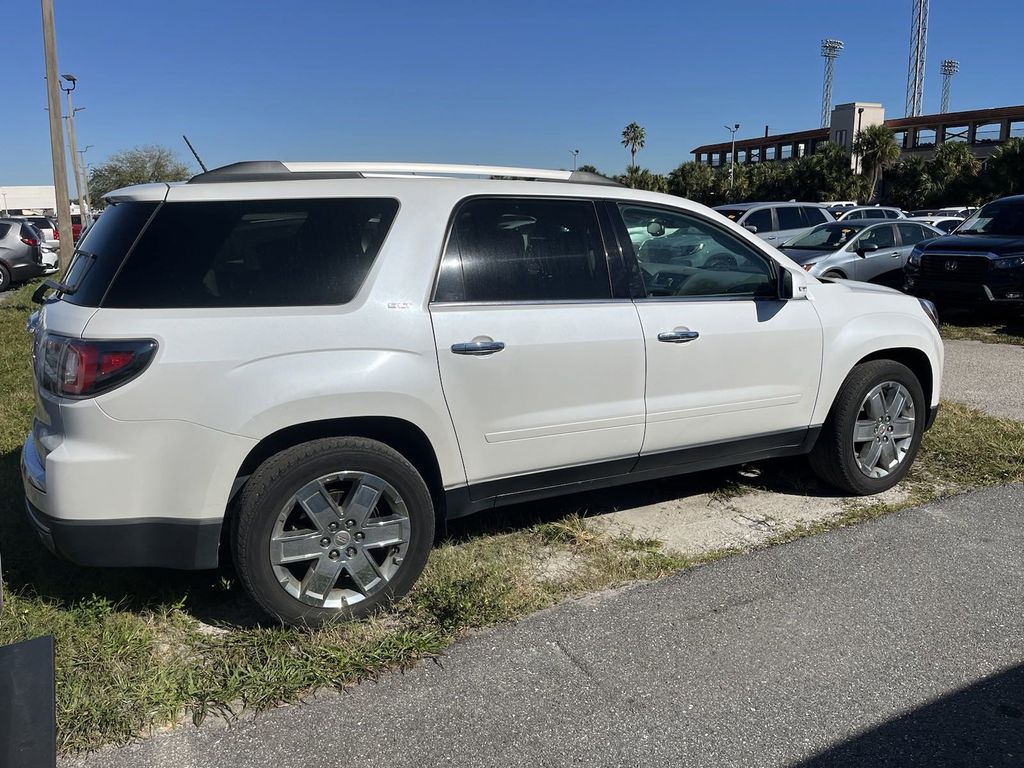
896, 642
989, 377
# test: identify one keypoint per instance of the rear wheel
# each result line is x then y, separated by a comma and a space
332, 529
873, 432
5, 278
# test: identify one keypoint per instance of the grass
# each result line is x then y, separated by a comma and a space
989, 327
138, 650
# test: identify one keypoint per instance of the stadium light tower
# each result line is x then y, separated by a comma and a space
915, 67
830, 50
949, 68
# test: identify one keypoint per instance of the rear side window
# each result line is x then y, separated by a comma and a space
789, 218
253, 253
524, 250
814, 216
4, 229
911, 234
101, 252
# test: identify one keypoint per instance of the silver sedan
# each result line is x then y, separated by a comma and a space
867, 250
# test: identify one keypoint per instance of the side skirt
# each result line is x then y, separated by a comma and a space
467, 500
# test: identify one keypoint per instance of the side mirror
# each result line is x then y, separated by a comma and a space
750, 228
863, 250
785, 284
655, 229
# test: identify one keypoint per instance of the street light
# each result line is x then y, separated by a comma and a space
860, 119
575, 154
732, 165
80, 189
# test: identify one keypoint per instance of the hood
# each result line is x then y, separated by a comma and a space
997, 244
803, 256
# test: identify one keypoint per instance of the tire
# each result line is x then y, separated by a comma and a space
5, 278
338, 573
835, 456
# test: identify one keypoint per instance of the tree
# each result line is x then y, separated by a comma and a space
826, 175
587, 168
1004, 172
141, 165
908, 184
633, 138
876, 145
954, 172
692, 180
641, 178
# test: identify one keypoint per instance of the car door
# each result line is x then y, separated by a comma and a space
728, 364
542, 366
790, 223
874, 264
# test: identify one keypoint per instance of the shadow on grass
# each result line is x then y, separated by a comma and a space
997, 321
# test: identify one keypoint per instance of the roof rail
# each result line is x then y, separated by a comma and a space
275, 170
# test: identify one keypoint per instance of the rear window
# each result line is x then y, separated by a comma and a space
253, 253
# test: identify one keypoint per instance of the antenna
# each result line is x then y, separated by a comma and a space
949, 68
194, 153
915, 67
830, 50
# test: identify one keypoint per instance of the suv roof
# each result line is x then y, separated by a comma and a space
748, 206
275, 170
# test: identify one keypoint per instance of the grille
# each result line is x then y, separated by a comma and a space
936, 266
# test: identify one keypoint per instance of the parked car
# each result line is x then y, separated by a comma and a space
46, 226
982, 262
776, 222
325, 364
868, 212
866, 250
945, 223
21, 253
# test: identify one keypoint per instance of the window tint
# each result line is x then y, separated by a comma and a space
681, 254
874, 213
814, 216
252, 253
914, 233
524, 250
761, 218
4, 229
854, 215
789, 217
882, 236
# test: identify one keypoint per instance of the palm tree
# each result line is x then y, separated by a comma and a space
877, 148
633, 137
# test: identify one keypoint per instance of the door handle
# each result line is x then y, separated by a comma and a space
482, 347
677, 337
895, 255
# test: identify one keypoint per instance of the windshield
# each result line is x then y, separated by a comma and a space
1003, 217
825, 237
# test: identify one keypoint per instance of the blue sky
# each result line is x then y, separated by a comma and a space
482, 82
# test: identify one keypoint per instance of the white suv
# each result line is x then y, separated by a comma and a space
318, 364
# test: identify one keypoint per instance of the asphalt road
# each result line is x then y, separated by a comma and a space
892, 643
985, 376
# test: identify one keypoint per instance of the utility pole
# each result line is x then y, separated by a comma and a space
76, 168
60, 168
830, 50
575, 155
85, 178
949, 68
732, 165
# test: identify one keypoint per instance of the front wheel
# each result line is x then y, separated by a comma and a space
332, 529
874, 430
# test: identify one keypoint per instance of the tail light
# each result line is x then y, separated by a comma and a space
56, 234
29, 241
81, 368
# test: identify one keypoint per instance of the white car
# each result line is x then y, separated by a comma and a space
320, 363
861, 212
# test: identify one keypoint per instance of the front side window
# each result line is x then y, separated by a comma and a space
761, 218
252, 253
1003, 217
831, 236
525, 250
687, 256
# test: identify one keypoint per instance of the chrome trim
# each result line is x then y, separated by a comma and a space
678, 337
478, 348
531, 303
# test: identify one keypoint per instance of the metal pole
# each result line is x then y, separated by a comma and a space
85, 179
60, 168
732, 164
76, 169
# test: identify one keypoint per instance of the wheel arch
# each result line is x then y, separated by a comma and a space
404, 436
915, 359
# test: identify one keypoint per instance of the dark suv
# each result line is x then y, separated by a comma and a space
981, 263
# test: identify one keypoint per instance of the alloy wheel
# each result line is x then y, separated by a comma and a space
884, 430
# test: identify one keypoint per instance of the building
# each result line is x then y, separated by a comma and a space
983, 130
18, 199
